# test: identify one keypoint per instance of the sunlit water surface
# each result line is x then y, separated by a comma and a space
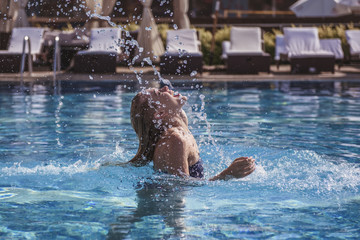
307, 182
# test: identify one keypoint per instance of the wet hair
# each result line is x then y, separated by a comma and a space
142, 120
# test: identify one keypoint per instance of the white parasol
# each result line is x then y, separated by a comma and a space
150, 43
181, 7
319, 8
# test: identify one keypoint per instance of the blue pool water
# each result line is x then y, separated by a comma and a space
305, 138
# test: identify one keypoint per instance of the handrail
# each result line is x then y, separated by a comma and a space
56, 65
23, 55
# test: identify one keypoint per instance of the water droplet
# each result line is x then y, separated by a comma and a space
166, 82
193, 73
176, 27
148, 28
91, 77
148, 60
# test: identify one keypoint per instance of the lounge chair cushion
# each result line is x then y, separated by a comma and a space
280, 47
245, 39
10, 60
183, 40
105, 39
17, 37
225, 45
301, 40
234, 48
328, 45
353, 39
332, 45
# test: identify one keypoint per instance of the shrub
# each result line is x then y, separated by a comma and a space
220, 36
131, 26
205, 39
269, 42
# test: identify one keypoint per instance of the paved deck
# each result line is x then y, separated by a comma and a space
210, 74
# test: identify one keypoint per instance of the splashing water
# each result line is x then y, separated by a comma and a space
52, 168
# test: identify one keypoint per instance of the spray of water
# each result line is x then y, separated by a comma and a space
130, 43
209, 139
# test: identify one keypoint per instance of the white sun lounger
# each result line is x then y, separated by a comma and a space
183, 55
333, 45
353, 39
281, 54
10, 60
305, 53
104, 49
225, 46
246, 55
330, 44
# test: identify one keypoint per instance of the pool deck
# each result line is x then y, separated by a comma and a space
210, 74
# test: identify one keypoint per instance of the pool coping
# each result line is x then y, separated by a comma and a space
148, 77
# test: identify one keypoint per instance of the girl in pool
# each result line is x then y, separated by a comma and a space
164, 137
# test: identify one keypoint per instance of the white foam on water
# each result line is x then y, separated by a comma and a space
52, 168
302, 172
305, 170
56, 168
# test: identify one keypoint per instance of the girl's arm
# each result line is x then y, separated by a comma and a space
239, 168
118, 163
171, 156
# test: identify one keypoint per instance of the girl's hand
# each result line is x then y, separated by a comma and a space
239, 168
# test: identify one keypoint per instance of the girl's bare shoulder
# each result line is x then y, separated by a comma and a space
173, 135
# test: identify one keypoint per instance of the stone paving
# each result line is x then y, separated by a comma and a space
210, 74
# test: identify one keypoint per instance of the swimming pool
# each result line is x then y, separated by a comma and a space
304, 136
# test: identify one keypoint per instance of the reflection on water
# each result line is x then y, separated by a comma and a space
159, 213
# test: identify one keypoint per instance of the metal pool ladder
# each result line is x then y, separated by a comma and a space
23, 55
56, 66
